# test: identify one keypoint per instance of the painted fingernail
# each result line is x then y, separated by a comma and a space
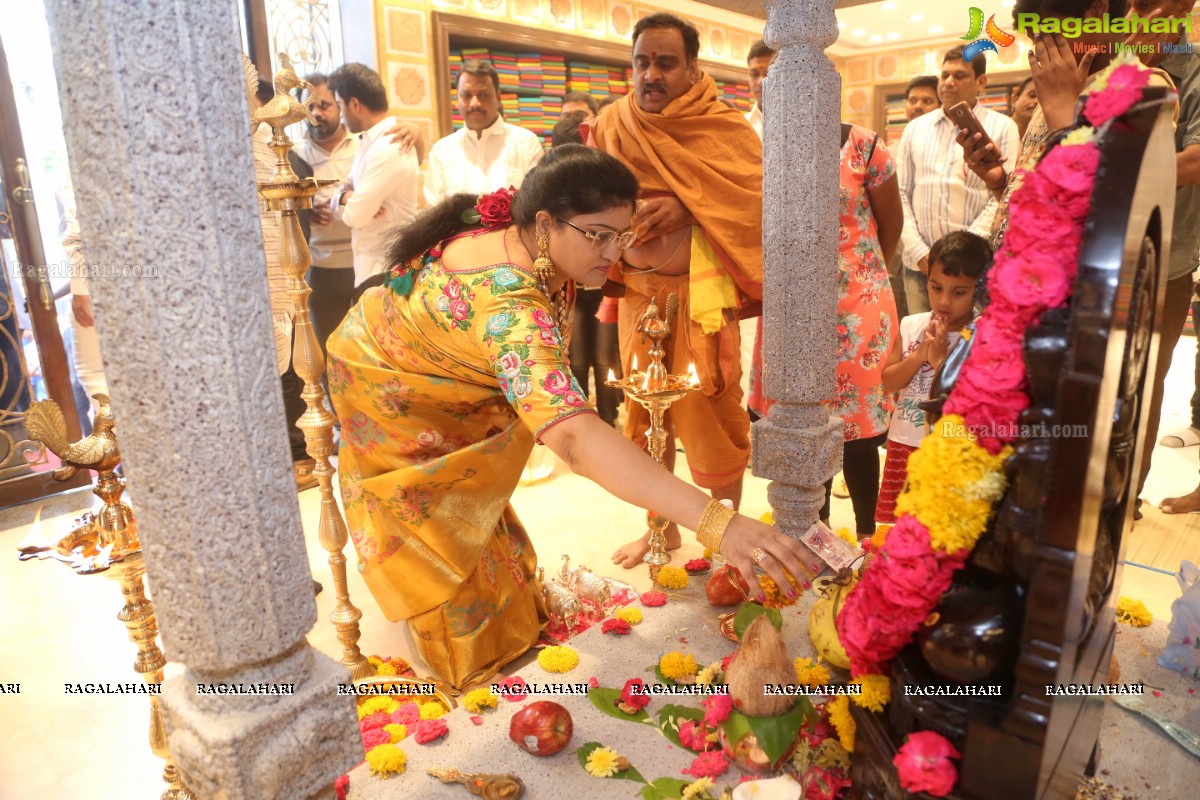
793, 594
762, 598
807, 585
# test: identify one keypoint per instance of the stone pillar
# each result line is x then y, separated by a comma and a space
158, 134
799, 445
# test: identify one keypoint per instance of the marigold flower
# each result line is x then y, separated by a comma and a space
433, 710
386, 759
677, 666
478, 699
387, 668
379, 703
876, 692
631, 615
698, 789
558, 658
809, 673
842, 722
603, 762
1133, 612
397, 732
672, 578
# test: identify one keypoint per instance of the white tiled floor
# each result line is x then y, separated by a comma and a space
57, 627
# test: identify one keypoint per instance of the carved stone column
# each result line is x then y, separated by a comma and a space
159, 140
799, 445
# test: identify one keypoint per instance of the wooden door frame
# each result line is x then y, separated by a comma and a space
44, 322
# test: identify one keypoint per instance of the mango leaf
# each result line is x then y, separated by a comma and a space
680, 714
748, 612
606, 701
663, 789
775, 734
629, 774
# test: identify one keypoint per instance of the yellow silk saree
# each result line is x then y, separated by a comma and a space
441, 395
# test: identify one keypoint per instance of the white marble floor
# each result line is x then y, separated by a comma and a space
56, 627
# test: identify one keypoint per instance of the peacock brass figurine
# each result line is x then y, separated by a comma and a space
105, 536
283, 109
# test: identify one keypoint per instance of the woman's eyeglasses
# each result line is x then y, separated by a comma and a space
601, 240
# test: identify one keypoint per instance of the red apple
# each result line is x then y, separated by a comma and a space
542, 728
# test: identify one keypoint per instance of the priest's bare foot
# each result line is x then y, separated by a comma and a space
630, 555
1188, 504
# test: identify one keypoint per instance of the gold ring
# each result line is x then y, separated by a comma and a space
758, 555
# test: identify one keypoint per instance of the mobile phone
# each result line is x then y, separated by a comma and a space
962, 116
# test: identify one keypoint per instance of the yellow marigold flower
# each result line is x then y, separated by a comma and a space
379, 703
708, 674
477, 700
602, 762
677, 666
631, 615
672, 578
708, 553
876, 692
433, 710
953, 484
880, 536
698, 789
809, 673
558, 658
387, 668
843, 723
768, 517
845, 535
386, 759
396, 731
374, 661
1133, 612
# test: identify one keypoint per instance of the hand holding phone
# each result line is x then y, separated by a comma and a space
962, 116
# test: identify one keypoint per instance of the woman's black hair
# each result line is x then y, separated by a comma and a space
570, 180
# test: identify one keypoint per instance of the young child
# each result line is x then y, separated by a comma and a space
955, 262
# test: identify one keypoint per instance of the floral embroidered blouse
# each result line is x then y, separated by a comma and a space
441, 396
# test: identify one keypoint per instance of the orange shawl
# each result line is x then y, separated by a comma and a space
706, 154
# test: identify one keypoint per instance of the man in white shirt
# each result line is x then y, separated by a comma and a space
939, 193
330, 150
487, 153
382, 191
759, 61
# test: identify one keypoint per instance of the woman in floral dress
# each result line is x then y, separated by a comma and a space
871, 220
444, 379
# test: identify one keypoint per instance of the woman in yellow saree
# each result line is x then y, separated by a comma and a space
446, 376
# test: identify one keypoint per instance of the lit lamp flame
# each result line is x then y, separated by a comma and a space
102, 561
611, 375
693, 378
33, 541
634, 370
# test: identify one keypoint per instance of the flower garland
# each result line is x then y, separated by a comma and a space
955, 476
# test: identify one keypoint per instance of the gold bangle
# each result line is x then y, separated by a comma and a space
713, 522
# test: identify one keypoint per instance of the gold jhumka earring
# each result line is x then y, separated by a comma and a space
562, 300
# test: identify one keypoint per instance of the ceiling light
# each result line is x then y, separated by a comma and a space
858, 32
876, 39
936, 29
893, 36
916, 18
